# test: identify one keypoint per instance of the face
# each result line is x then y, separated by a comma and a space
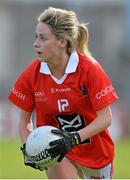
46, 44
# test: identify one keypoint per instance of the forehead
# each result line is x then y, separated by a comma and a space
43, 28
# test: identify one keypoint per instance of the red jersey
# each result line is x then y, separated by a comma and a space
69, 103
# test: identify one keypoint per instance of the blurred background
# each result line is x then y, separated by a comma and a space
109, 28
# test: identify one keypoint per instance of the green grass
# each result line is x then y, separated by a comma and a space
12, 167
11, 162
122, 160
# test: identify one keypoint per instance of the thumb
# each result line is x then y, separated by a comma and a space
57, 131
60, 132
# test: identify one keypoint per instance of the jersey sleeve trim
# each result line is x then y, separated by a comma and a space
105, 104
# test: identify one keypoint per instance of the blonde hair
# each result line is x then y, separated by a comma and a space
65, 24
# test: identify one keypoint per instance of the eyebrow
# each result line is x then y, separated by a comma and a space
40, 34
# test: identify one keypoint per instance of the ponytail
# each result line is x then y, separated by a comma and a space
82, 39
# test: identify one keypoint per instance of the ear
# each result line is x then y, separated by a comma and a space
63, 42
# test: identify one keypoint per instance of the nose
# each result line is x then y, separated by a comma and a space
36, 43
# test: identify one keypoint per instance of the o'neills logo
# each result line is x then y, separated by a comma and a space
104, 92
18, 94
40, 156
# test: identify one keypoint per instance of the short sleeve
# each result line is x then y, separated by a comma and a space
99, 87
22, 93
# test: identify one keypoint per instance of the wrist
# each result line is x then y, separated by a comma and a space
77, 139
82, 136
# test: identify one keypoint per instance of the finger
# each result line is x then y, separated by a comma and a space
58, 153
56, 149
56, 142
58, 132
54, 155
54, 152
61, 157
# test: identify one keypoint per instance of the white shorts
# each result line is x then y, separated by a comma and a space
88, 173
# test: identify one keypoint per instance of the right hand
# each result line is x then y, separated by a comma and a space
27, 162
60, 147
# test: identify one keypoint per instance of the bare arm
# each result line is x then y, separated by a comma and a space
102, 121
25, 125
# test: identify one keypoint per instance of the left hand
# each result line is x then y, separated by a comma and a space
28, 162
62, 146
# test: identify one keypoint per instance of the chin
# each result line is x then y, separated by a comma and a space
42, 60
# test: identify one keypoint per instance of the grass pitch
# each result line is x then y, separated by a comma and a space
11, 162
12, 167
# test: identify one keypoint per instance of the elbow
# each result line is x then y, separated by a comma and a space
108, 115
109, 119
109, 122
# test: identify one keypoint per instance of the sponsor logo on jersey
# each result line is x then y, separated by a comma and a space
18, 94
72, 122
38, 94
60, 90
104, 92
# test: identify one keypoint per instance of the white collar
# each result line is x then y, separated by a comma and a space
71, 66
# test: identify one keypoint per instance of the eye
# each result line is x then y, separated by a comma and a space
35, 36
43, 37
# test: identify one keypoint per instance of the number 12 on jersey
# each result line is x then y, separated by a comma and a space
62, 105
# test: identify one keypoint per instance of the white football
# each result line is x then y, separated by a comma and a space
37, 146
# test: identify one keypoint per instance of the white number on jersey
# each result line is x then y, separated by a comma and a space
62, 104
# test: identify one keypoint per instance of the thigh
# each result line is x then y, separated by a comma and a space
64, 170
88, 173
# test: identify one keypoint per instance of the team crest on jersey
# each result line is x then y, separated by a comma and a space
83, 91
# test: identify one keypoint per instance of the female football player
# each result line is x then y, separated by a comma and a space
68, 89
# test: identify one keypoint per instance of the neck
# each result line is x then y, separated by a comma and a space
58, 69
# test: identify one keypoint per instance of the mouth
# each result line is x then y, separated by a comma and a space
38, 52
